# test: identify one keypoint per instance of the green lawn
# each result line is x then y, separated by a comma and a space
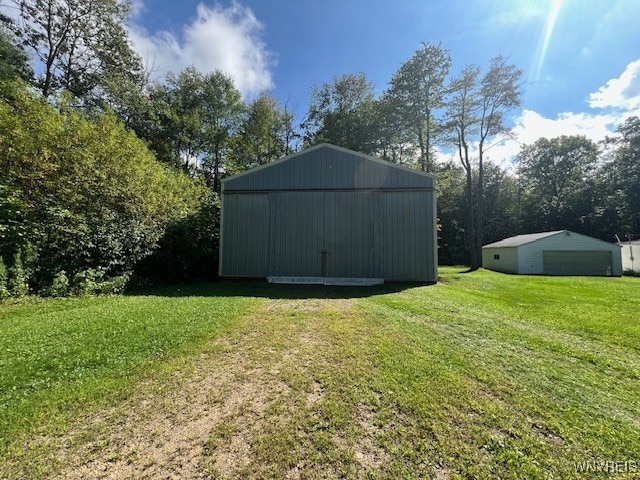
481, 376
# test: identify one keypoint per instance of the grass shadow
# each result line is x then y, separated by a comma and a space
262, 289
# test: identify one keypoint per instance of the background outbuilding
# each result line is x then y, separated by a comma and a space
329, 215
630, 256
553, 253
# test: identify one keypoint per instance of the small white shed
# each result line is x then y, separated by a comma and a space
553, 253
630, 256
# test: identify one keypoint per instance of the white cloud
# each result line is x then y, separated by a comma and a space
509, 14
531, 126
622, 92
219, 38
617, 100
137, 8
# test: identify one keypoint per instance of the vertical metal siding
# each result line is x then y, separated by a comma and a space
274, 234
433, 225
328, 168
349, 234
277, 220
408, 238
245, 235
376, 218
298, 234
306, 223
387, 235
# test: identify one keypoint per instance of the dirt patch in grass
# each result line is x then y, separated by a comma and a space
289, 307
368, 453
164, 431
209, 418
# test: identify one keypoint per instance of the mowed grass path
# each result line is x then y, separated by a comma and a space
481, 376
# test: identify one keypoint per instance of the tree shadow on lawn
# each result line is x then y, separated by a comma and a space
262, 289
468, 270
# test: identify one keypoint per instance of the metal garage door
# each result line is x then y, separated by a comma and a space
297, 234
349, 235
576, 263
323, 235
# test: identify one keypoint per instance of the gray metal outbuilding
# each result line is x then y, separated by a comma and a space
329, 215
553, 253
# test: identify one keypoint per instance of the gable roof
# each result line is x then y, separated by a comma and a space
522, 239
534, 237
327, 166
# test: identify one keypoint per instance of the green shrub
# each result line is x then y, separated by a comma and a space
113, 285
59, 286
83, 189
188, 250
86, 282
4, 291
93, 282
17, 282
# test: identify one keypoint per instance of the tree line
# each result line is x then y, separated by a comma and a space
108, 176
566, 182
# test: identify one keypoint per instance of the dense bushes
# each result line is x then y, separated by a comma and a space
189, 248
82, 200
13, 279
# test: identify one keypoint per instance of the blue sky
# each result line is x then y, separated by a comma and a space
581, 58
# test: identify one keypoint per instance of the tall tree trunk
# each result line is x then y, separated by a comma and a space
480, 207
463, 151
423, 165
48, 76
473, 256
429, 164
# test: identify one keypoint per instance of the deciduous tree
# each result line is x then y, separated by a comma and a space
78, 42
417, 92
343, 113
619, 180
462, 123
556, 176
200, 114
499, 92
264, 135
97, 196
14, 62
476, 107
